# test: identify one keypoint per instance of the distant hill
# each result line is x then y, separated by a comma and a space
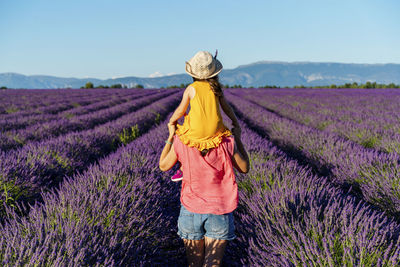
257, 74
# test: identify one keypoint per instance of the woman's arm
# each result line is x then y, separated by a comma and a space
168, 156
240, 158
181, 109
228, 111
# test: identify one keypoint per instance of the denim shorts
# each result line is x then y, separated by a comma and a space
195, 226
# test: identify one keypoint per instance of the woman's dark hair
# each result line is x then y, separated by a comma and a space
216, 87
204, 152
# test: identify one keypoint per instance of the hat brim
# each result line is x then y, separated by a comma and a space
218, 69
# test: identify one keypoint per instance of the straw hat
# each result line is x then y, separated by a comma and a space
203, 65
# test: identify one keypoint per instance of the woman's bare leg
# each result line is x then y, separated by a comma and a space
214, 251
194, 252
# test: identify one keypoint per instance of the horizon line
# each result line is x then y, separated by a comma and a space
239, 66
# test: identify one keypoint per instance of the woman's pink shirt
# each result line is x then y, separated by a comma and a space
208, 184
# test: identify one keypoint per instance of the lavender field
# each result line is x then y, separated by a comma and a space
80, 183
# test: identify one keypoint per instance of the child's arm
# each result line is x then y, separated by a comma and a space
181, 109
228, 111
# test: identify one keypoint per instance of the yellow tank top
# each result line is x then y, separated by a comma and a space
203, 127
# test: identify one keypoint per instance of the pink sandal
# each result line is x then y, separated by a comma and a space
177, 176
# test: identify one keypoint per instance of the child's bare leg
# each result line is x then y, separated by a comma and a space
214, 251
194, 252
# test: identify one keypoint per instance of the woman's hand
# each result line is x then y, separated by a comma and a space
240, 158
168, 156
171, 129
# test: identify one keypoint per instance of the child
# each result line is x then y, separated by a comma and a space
203, 127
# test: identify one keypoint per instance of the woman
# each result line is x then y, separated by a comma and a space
208, 194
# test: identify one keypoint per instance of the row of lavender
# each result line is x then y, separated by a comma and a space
21, 101
288, 216
370, 174
24, 102
13, 116
113, 214
123, 212
77, 119
39, 166
370, 118
77, 104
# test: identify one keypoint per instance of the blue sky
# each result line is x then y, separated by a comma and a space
104, 39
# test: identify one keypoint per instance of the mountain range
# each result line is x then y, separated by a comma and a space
251, 75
